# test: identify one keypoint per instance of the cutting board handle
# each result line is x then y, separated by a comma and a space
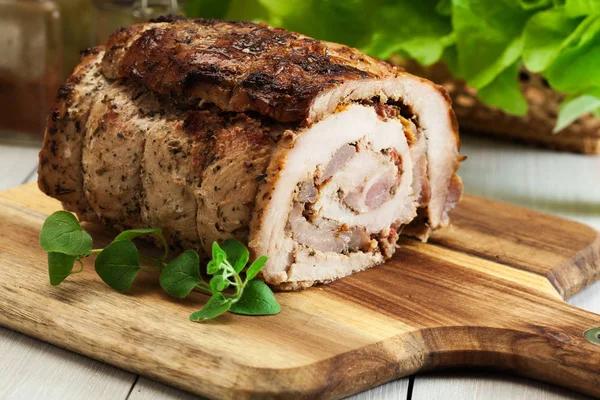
555, 343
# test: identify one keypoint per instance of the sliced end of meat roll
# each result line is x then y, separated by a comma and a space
312, 152
338, 192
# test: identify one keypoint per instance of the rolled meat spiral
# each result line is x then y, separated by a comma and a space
311, 152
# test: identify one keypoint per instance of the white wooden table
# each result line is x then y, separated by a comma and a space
563, 184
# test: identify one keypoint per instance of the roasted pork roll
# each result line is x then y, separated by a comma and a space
311, 152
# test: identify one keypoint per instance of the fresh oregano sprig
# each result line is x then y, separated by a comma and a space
66, 243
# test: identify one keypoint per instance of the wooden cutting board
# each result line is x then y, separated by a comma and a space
486, 292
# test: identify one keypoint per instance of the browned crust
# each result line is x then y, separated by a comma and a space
63, 124
239, 66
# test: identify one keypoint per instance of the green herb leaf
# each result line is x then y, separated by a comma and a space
218, 256
217, 283
60, 267
213, 267
237, 253
61, 233
181, 275
257, 299
133, 233
217, 253
573, 108
256, 267
217, 305
118, 265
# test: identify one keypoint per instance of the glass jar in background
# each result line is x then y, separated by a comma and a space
76, 18
30, 66
110, 15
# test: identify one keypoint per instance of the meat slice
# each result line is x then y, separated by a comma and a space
230, 154
60, 173
169, 180
311, 152
280, 231
112, 153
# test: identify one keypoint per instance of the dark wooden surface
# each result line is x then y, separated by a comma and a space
486, 292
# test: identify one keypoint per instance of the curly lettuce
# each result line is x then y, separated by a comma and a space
484, 42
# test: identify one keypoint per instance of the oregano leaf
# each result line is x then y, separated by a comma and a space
213, 266
218, 255
256, 267
62, 233
217, 283
257, 299
216, 305
118, 265
181, 275
237, 254
60, 266
133, 233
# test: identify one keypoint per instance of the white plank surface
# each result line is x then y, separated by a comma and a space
391, 391
31, 369
16, 164
148, 389
489, 386
563, 184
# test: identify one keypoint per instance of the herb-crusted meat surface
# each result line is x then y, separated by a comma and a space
312, 152
239, 66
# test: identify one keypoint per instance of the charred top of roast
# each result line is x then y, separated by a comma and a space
239, 66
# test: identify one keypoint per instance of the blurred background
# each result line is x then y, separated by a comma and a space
524, 72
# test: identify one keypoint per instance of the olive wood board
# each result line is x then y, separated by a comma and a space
487, 291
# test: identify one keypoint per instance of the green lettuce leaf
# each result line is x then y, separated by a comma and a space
348, 22
207, 8
573, 108
577, 8
424, 34
534, 4
243, 10
504, 92
444, 7
488, 37
576, 67
546, 34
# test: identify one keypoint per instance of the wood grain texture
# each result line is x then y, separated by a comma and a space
432, 306
559, 183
